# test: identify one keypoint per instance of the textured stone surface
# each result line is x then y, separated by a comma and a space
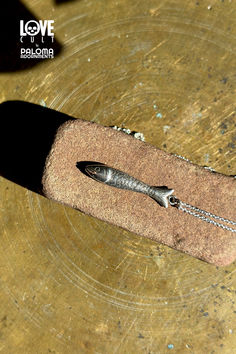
84, 141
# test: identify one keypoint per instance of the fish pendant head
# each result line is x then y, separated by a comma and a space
98, 172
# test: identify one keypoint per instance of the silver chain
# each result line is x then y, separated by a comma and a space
202, 214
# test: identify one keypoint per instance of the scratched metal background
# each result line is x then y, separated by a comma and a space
71, 283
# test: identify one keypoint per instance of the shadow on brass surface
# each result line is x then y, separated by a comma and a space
26, 135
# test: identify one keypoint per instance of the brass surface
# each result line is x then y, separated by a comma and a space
71, 283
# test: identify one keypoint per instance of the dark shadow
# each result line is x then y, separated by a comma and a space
26, 136
11, 12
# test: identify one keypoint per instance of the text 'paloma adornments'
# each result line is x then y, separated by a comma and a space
35, 39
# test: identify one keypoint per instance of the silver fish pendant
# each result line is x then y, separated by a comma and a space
115, 178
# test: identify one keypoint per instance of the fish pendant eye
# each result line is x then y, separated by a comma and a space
97, 169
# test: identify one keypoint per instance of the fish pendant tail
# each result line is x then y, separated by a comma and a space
161, 195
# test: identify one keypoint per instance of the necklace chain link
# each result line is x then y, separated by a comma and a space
202, 214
